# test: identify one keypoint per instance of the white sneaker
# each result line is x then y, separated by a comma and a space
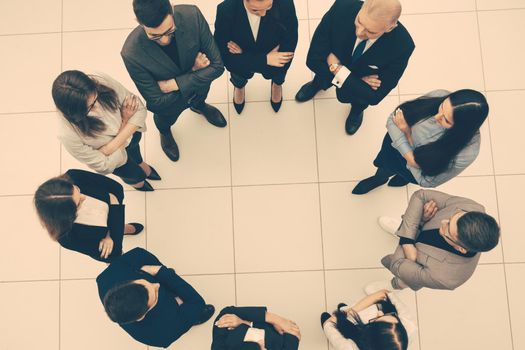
389, 225
376, 286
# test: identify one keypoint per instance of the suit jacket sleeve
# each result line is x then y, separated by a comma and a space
191, 82
336, 339
156, 100
138, 257
320, 46
85, 239
290, 342
168, 278
389, 76
251, 314
289, 41
83, 178
415, 275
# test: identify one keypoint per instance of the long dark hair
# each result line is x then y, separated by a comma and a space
55, 205
377, 335
71, 90
470, 109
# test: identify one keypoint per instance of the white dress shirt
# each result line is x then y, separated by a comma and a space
254, 335
92, 212
342, 75
255, 21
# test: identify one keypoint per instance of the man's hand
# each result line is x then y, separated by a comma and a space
410, 251
278, 59
373, 81
105, 246
429, 210
331, 59
234, 48
167, 86
151, 269
201, 61
229, 321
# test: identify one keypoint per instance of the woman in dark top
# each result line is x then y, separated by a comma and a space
256, 36
84, 212
253, 328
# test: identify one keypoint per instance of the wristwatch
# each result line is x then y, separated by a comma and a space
333, 67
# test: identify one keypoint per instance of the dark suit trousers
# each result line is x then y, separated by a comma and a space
391, 162
131, 172
165, 120
240, 77
343, 94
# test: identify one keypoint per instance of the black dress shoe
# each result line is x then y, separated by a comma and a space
306, 92
153, 175
340, 305
324, 316
138, 228
207, 313
169, 146
353, 122
239, 106
212, 115
368, 184
397, 181
146, 187
276, 105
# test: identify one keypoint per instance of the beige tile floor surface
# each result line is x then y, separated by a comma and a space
261, 212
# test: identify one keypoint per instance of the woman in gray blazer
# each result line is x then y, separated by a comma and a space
101, 126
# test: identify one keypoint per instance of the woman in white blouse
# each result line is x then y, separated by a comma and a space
101, 126
379, 321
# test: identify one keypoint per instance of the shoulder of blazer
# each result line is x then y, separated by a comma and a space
132, 45
403, 36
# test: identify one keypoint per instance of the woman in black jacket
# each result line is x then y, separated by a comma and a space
84, 212
256, 36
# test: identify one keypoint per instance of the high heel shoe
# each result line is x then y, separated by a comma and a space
138, 229
239, 106
146, 187
153, 175
276, 105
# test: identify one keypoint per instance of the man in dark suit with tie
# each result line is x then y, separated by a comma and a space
363, 50
172, 58
150, 301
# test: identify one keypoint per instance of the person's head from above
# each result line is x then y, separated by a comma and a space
80, 97
258, 7
460, 113
377, 17
56, 202
156, 18
470, 231
384, 332
130, 301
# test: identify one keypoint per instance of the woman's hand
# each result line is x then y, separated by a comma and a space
129, 107
234, 48
230, 321
401, 123
278, 59
105, 246
281, 324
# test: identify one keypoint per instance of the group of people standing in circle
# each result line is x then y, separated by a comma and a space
172, 57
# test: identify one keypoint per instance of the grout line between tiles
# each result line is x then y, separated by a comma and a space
494, 178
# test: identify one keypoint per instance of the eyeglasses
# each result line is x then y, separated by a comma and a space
92, 105
159, 37
448, 236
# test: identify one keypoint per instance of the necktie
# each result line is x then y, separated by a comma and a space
358, 51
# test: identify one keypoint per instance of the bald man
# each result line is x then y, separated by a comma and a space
362, 50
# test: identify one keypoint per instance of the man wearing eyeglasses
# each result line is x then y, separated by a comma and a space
441, 240
362, 50
172, 58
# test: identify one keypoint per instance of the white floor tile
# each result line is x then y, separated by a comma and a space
516, 288
218, 290
435, 63
511, 190
493, 26
29, 156
29, 315
347, 286
84, 323
204, 153
433, 6
351, 236
31, 16
191, 230
501, 4
317, 8
461, 315
26, 81
81, 15
343, 157
272, 148
302, 303
270, 222
505, 127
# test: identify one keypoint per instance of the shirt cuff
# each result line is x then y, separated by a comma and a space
341, 77
404, 240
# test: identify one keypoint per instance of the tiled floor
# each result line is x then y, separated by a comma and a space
260, 212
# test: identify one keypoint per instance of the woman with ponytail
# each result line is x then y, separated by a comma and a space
380, 321
430, 140
101, 126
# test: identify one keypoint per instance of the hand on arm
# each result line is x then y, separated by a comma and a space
410, 251
332, 59
282, 325
373, 81
105, 246
201, 61
167, 86
369, 300
278, 59
234, 48
151, 269
231, 321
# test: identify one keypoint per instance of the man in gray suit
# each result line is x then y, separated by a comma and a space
172, 58
441, 238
